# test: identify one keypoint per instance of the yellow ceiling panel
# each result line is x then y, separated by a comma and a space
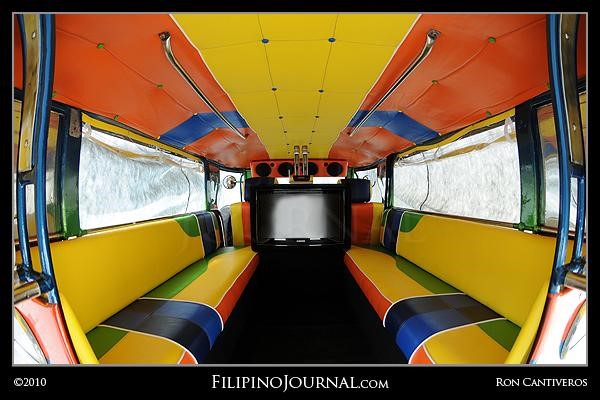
355, 67
301, 27
374, 29
298, 104
298, 54
257, 105
240, 68
299, 124
290, 71
219, 30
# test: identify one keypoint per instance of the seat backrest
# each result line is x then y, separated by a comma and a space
102, 272
500, 267
236, 217
366, 217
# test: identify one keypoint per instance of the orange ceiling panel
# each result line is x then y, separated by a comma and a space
114, 65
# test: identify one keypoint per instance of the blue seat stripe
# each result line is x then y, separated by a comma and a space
392, 224
198, 126
207, 230
414, 320
194, 326
398, 123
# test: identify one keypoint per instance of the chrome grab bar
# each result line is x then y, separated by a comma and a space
165, 38
432, 36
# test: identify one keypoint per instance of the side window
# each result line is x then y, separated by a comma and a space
52, 207
475, 176
230, 188
121, 181
376, 177
547, 132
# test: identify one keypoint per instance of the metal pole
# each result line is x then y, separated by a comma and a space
165, 37
432, 36
564, 168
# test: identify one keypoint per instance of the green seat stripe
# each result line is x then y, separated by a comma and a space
419, 275
182, 279
503, 331
189, 224
102, 339
409, 221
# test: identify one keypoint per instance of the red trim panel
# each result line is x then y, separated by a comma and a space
225, 307
420, 356
362, 221
46, 322
321, 167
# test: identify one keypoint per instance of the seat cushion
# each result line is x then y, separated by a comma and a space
178, 321
421, 310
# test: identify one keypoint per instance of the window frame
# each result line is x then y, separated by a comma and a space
531, 159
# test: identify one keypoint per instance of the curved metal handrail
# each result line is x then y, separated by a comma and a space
432, 36
165, 38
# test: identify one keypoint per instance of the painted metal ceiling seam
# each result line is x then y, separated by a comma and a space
377, 80
266, 53
322, 86
215, 79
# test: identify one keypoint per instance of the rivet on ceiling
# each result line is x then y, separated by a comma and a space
321, 90
100, 46
488, 114
273, 88
492, 39
331, 39
265, 40
434, 81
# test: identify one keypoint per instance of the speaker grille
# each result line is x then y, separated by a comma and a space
334, 169
285, 169
263, 169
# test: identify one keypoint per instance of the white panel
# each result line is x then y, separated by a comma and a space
476, 176
122, 182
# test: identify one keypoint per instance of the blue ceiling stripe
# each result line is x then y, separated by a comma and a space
398, 123
200, 125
